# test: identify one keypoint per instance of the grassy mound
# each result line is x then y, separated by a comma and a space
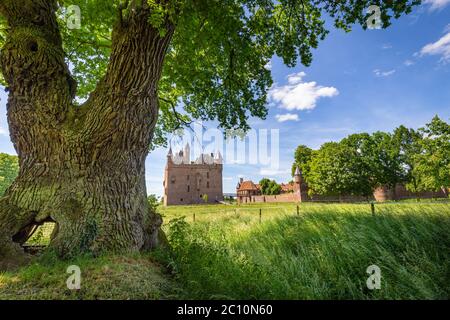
106, 277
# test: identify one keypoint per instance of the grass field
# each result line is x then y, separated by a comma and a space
321, 254
232, 252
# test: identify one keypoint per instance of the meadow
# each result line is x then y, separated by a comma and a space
322, 253
233, 252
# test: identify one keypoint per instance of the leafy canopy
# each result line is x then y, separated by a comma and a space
216, 64
362, 162
409, 142
302, 158
337, 169
432, 164
269, 187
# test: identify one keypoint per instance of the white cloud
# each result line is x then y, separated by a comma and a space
447, 28
436, 4
386, 46
295, 78
440, 47
287, 117
268, 65
299, 95
380, 73
408, 63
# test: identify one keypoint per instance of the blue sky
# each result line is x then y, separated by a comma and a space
361, 81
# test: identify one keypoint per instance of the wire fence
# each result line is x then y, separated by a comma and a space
199, 214
261, 212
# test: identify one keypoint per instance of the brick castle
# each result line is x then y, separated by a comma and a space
192, 182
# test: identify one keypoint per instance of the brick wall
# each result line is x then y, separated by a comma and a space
400, 193
380, 195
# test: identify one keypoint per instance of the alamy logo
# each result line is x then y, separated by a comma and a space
74, 281
374, 280
374, 20
73, 17
260, 146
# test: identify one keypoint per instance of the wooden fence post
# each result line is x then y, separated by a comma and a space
194, 217
260, 215
372, 207
298, 210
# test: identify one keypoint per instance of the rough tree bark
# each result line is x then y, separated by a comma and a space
81, 167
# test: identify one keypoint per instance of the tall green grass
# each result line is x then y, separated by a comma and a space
321, 254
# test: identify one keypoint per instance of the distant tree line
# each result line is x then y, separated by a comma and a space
361, 162
269, 187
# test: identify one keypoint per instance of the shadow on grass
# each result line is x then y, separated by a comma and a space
105, 277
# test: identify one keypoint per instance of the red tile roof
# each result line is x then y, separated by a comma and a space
247, 185
287, 187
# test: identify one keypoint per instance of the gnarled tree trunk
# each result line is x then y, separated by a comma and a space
80, 166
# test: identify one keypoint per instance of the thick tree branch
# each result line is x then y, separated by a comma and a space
32, 63
123, 109
138, 50
33, 48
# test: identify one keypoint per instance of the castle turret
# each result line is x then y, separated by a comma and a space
170, 156
218, 159
187, 154
300, 187
241, 180
298, 176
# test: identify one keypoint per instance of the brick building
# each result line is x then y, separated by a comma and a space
246, 189
297, 191
192, 182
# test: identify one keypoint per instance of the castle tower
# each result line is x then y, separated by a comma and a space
299, 186
196, 182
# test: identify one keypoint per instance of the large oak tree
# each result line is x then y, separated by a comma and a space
86, 104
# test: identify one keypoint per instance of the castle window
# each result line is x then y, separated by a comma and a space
207, 175
181, 200
172, 180
207, 184
188, 188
